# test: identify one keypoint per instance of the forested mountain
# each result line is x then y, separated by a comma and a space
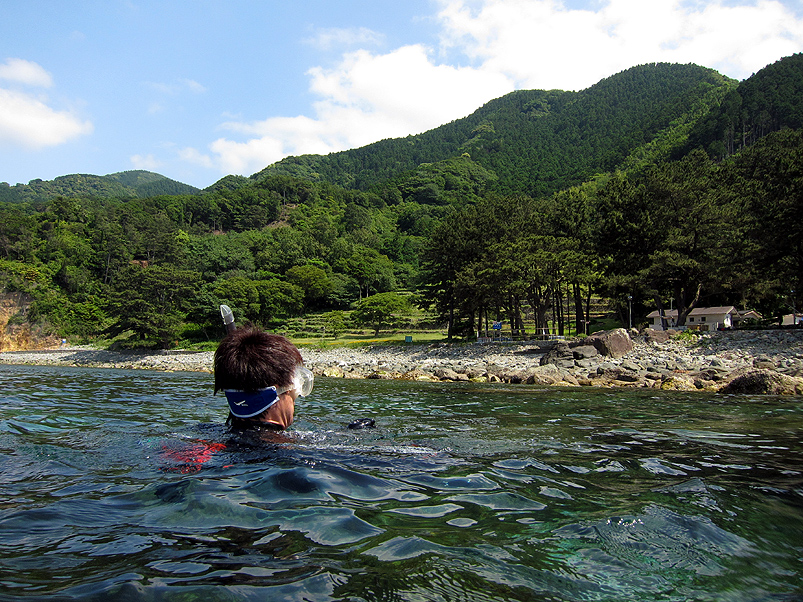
521, 212
768, 101
137, 183
537, 142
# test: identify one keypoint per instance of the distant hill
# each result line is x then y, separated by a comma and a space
536, 141
125, 184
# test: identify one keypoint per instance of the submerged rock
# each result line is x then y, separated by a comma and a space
764, 382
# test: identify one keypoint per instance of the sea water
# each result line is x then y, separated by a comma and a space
125, 485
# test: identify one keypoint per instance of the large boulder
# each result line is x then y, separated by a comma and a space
613, 343
764, 382
560, 355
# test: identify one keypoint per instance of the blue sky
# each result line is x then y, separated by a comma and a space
199, 89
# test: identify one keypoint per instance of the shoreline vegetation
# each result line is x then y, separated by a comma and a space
749, 362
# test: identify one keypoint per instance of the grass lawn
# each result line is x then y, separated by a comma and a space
355, 340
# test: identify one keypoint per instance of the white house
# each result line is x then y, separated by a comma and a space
790, 319
700, 318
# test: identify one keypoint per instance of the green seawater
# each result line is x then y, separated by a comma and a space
125, 485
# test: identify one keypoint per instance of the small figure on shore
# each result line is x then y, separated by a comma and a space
261, 375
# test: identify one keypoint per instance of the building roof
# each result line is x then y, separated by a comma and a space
698, 311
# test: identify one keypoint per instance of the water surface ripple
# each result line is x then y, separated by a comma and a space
125, 485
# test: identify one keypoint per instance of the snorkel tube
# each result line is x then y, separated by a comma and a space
228, 318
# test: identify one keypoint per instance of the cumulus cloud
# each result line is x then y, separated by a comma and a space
364, 98
28, 122
490, 47
543, 44
25, 72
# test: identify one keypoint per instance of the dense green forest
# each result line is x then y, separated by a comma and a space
538, 142
523, 212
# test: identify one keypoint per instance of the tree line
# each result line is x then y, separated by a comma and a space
159, 266
685, 234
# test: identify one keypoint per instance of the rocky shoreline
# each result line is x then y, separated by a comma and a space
756, 362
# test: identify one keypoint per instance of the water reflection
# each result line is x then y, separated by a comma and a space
124, 484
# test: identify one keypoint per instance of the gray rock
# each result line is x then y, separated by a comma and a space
764, 362
583, 352
632, 367
560, 354
449, 374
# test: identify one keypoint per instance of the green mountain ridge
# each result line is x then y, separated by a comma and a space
534, 142
125, 184
537, 141
766, 102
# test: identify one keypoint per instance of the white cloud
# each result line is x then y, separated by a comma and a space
403, 89
245, 158
28, 122
365, 98
490, 47
541, 44
25, 72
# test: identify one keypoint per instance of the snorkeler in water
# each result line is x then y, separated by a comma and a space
262, 376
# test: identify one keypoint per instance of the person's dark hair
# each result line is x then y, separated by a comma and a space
250, 359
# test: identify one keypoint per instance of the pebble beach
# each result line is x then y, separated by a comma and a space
768, 361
